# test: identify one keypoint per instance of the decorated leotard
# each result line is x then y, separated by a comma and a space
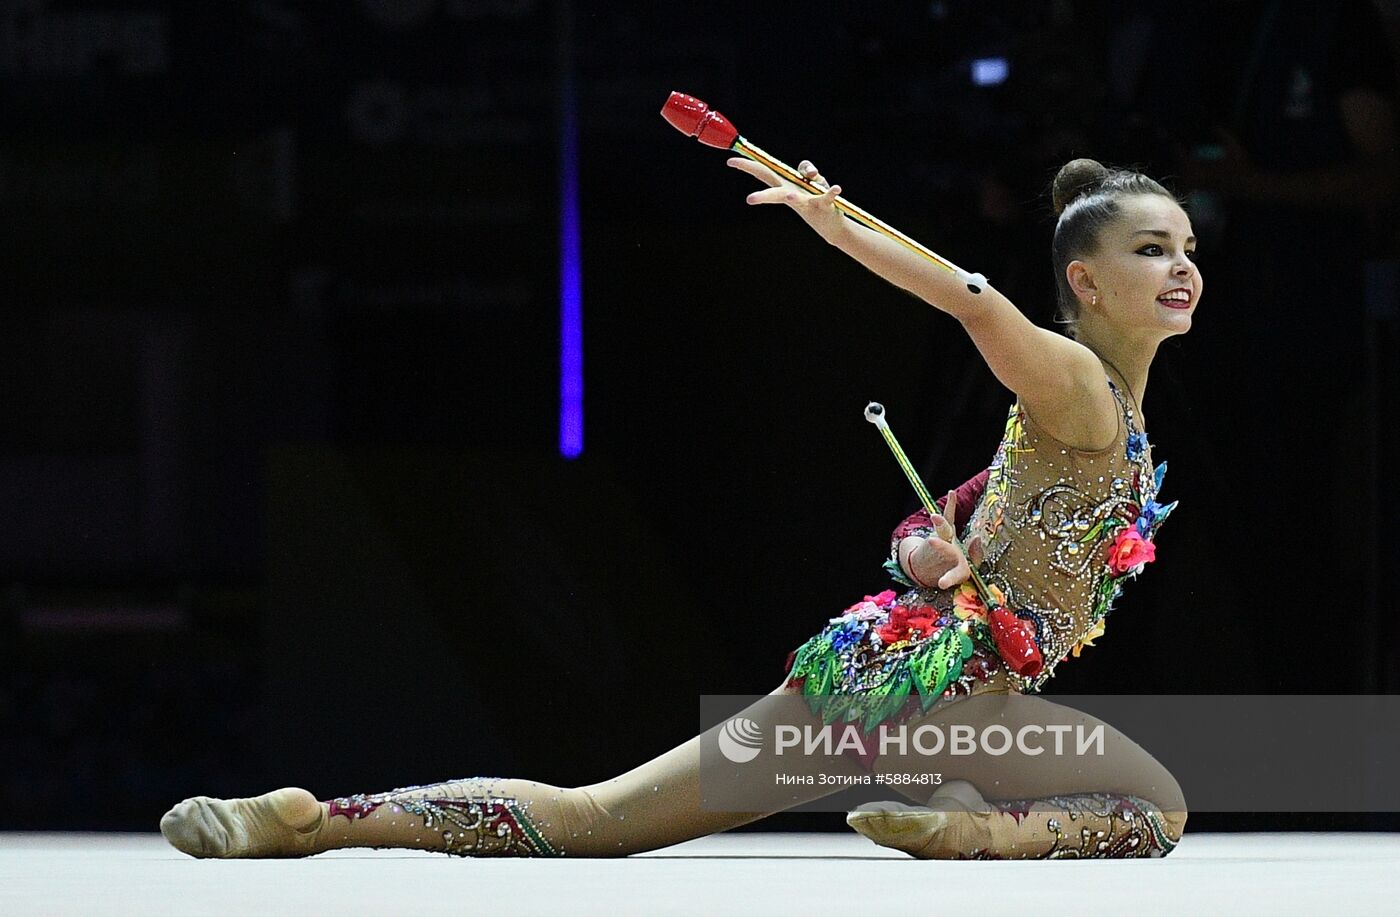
1062, 528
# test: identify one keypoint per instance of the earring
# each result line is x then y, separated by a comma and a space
1095, 300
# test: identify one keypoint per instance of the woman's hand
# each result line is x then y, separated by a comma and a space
937, 561
934, 562
818, 210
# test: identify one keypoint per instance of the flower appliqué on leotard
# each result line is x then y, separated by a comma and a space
1063, 530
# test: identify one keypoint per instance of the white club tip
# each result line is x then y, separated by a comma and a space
875, 413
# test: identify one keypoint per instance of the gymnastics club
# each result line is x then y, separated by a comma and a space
1013, 642
694, 118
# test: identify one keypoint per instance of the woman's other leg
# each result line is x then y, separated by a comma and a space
654, 805
1120, 803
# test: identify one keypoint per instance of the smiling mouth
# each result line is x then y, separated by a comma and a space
1175, 300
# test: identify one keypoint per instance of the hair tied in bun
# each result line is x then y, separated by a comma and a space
1077, 177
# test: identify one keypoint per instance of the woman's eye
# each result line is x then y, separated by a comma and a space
1150, 250
1191, 254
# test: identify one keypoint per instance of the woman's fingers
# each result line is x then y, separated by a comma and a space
780, 191
772, 179
786, 194
941, 563
807, 170
826, 200
942, 526
757, 169
937, 562
773, 196
960, 573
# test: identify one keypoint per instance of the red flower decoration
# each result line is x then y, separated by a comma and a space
922, 626
896, 627
1130, 550
903, 624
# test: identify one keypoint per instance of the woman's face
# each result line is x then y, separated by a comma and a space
1143, 273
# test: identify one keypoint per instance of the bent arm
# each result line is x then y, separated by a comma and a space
919, 526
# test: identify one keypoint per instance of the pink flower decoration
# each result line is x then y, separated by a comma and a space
1130, 550
872, 605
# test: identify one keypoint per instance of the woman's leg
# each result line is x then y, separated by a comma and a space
655, 805
1122, 803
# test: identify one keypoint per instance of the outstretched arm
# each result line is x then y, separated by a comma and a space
1059, 381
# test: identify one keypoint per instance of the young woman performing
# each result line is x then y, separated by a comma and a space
1065, 514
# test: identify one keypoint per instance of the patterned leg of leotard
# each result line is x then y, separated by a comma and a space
1076, 826
1128, 806
1123, 804
655, 805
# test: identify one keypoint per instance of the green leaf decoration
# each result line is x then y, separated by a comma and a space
896, 573
938, 662
817, 662
884, 709
926, 670
879, 708
836, 707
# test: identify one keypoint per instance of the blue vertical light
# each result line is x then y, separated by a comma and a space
570, 259
990, 71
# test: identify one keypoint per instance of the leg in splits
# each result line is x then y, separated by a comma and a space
1122, 803
655, 805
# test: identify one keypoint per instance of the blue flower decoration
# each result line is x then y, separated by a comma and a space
847, 634
1148, 517
1137, 442
1152, 515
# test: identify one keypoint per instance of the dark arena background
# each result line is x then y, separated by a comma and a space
388, 394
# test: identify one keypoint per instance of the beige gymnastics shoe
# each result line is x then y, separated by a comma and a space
282, 823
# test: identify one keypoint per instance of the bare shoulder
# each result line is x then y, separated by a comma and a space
1081, 412
1059, 382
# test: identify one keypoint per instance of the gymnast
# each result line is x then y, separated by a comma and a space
1011, 575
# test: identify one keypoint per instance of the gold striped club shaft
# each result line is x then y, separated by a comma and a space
748, 150
875, 413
